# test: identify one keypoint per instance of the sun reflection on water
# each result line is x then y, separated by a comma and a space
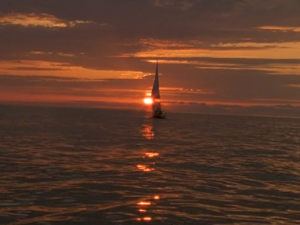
148, 161
144, 168
144, 207
144, 203
156, 197
151, 154
147, 131
147, 218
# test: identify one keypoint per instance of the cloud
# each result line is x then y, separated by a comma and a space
42, 20
280, 28
180, 89
155, 43
294, 85
52, 53
270, 66
48, 68
179, 4
69, 89
83, 83
286, 6
229, 50
275, 67
285, 50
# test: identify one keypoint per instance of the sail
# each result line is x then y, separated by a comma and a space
156, 107
155, 92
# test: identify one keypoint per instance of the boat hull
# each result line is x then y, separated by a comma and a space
159, 114
159, 117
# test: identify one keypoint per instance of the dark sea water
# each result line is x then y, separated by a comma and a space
100, 166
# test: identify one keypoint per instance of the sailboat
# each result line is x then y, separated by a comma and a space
155, 95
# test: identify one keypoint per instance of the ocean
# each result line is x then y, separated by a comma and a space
112, 166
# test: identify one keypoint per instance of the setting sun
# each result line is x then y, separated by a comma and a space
148, 101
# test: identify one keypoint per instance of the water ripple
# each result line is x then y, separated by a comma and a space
120, 167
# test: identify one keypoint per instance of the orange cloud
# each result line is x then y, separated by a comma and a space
277, 101
46, 68
278, 28
272, 68
162, 43
42, 94
286, 50
180, 4
294, 85
43, 19
52, 53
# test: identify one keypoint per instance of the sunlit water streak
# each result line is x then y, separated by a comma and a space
95, 166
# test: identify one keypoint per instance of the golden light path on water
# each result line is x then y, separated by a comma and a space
148, 133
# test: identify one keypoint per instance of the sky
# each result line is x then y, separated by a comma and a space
215, 56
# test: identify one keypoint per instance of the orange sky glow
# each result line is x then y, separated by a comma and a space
94, 56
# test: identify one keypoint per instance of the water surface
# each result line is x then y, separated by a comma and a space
100, 166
